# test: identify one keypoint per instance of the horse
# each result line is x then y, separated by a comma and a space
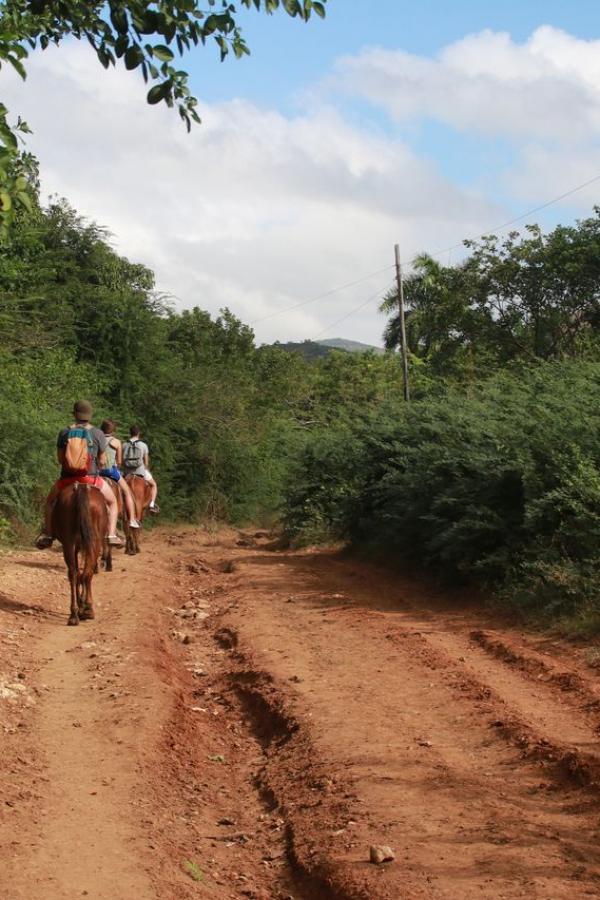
122, 507
142, 493
80, 523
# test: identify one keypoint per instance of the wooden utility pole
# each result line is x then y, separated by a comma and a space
403, 347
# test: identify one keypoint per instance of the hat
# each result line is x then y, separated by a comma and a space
83, 411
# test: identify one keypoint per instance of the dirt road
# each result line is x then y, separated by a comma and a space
245, 722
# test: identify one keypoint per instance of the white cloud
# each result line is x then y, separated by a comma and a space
258, 211
547, 87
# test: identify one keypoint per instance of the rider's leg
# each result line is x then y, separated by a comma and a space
129, 503
113, 511
153, 491
45, 538
49, 509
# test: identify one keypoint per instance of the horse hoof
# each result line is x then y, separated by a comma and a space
87, 613
73, 620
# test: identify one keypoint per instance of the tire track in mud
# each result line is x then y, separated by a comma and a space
500, 790
268, 715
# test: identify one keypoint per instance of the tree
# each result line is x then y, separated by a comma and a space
541, 291
528, 297
442, 326
148, 35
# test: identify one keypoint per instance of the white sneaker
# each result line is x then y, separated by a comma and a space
133, 523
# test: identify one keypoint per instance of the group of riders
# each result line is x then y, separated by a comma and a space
96, 456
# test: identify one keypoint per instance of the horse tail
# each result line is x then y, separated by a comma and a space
83, 517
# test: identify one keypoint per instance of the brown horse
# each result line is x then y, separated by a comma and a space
142, 492
122, 507
80, 523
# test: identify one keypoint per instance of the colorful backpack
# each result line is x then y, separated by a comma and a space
79, 451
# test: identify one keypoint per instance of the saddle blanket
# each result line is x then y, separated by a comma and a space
94, 480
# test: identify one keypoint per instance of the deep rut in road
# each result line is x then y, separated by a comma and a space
240, 722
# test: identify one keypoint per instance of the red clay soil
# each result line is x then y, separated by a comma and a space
242, 722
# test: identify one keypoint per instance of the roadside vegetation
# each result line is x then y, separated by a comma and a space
491, 474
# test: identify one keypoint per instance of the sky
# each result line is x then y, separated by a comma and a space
421, 124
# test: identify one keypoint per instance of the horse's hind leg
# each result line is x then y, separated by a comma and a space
73, 582
80, 590
128, 539
87, 611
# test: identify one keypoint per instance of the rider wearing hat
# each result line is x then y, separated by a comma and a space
97, 443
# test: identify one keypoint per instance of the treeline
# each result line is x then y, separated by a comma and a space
491, 474
223, 418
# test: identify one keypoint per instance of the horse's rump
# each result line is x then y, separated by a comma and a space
80, 519
141, 491
80, 522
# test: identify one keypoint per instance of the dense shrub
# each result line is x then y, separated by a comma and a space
500, 483
32, 391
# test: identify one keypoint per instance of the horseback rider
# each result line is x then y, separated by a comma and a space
81, 449
136, 456
114, 460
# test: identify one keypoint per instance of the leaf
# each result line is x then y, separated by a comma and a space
159, 92
163, 53
147, 23
103, 57
17, 66
25, 200
218, 757
210, 25
121, 45
6, 204
118, 17
134, 56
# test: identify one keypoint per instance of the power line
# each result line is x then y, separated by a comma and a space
320, 296
458, 245
355, 310
501, 227
525, 215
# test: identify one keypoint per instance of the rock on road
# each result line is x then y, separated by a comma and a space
240, 721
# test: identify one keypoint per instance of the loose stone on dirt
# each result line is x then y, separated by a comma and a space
380, 854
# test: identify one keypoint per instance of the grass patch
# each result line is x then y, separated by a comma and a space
193, 870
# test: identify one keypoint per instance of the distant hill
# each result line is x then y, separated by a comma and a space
350, 346
308, 349
320, 349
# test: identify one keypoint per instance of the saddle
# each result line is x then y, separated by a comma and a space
93, 480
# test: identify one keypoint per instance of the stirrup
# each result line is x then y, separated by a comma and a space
136, 525
114, 540
154, 510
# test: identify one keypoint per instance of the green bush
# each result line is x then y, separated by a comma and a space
500, 484
32, 410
